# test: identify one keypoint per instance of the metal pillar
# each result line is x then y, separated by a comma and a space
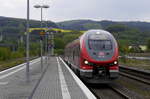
49, 38
46, 47
41, 17
41, 43
27, 45
53, 44
52, 40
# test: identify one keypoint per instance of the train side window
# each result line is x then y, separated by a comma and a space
73, 54
76, 55
78, 51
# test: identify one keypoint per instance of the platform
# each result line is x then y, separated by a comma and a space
13, 83
55, 81
59, 82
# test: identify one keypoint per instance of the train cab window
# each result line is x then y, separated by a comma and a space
100, 44
108, 45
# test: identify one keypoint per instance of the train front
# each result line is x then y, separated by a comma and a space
99, 57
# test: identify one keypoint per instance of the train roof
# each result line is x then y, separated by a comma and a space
97, 31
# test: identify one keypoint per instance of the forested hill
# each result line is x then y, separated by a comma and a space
79, 25
16, 25
129, 32
126, 33
89, 24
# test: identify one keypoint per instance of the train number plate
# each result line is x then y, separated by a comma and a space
100, 71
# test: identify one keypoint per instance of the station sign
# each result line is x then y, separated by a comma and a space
42, 33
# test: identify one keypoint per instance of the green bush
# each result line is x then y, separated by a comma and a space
5, 53
148, 45
59, 51
34, 49
17, 55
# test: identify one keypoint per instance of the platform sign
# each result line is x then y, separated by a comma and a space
42, 33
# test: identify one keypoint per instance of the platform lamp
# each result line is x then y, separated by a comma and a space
41, 42
41, 6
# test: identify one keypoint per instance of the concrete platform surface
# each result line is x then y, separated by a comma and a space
55, 81
13, 83
59, 83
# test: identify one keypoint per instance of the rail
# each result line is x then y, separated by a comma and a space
136, 74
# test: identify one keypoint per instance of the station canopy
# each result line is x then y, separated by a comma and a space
41, 31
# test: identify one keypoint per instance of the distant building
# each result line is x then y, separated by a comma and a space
140, 47
143, 47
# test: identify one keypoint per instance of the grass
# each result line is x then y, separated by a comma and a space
134, 87
144, 64
10, 63
139, 54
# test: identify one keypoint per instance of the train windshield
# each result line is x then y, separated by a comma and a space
100, 44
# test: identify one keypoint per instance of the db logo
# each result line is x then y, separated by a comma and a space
101, 54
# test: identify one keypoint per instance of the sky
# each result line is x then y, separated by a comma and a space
61, 10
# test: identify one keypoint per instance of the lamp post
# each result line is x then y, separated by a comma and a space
41, 42
46, 46
52, 53
41, 7
27, 44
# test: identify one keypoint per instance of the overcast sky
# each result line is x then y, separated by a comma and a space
60, 10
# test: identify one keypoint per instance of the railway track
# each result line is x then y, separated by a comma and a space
121, 93
113, 91
132, 73
108, 92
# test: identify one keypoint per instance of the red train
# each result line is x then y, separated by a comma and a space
94, 56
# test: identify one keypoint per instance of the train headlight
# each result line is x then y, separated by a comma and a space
115, 62
86, 62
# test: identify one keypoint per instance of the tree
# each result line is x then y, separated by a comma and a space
70, 37
148, 44
21, 28
117, 28
59, 43
123, 46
